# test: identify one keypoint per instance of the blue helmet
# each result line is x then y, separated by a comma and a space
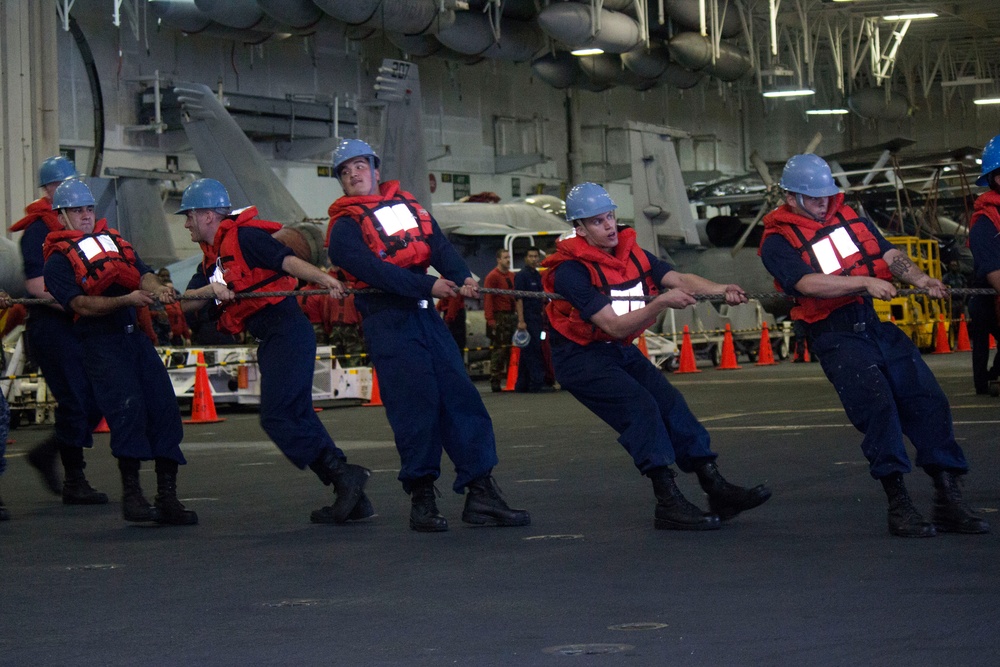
587, 200
521, 338
55, 169
72, 193
352, 148
809, 175
991, 160
205, 193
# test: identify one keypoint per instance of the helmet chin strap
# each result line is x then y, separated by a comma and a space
802, 207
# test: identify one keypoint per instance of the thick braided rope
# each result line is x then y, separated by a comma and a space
523, 294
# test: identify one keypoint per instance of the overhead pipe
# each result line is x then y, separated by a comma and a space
410, 17
696, 52
472, 34
571, 23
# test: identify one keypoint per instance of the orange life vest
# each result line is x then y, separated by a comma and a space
841, 245
40, 209
393, 224
178, 323
99, 260
627, 272
987, 206
224, 263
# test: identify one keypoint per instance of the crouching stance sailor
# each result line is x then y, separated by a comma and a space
95, 274
242, 255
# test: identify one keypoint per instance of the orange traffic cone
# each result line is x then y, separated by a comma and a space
102, 427
688, 364
728, 362
203, 405
962, 343
941, 345
765, 355
512, 363
642, 346
376, 399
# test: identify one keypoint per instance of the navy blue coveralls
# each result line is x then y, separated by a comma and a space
130, 382
57, 350
286, 356
985, 245
531, 368
620, 385
429, 399
885, 386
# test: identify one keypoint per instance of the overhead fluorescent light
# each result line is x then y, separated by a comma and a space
966, 81
802, 92
826, 112
987, 100
587, 52
910, 17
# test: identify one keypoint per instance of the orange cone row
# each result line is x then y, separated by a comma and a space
728, 362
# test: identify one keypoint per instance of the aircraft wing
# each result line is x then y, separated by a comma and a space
227, 155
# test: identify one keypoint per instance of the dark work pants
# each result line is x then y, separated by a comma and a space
134, 392
57, 350
618, 384
888, 392
983, 323
286, 357
429, 399
531, 368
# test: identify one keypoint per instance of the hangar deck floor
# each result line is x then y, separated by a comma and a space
810, 578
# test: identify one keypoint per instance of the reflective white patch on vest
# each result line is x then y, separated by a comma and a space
827, 258
842, 241
622, 307
107, 243
395, 218
90, 247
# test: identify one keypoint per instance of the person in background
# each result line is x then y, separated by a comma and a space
501, 320
530, 318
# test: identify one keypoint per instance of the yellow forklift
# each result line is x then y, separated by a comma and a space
918, 314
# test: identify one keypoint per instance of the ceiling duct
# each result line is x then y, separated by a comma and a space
686, 13
647, 63
695, 52
185, 16
572, 23
410, 17
472, 34
239, 14
298, 14
559, 69
873, 103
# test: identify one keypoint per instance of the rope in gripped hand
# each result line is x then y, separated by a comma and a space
524, 294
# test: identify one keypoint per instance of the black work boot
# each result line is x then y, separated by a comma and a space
904, 519
673, 510
42, 458
725, 499
348, 482
172, 511
424, 515
76, 489
951, 514
485, 506
362, 511
4, 514
135, 507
